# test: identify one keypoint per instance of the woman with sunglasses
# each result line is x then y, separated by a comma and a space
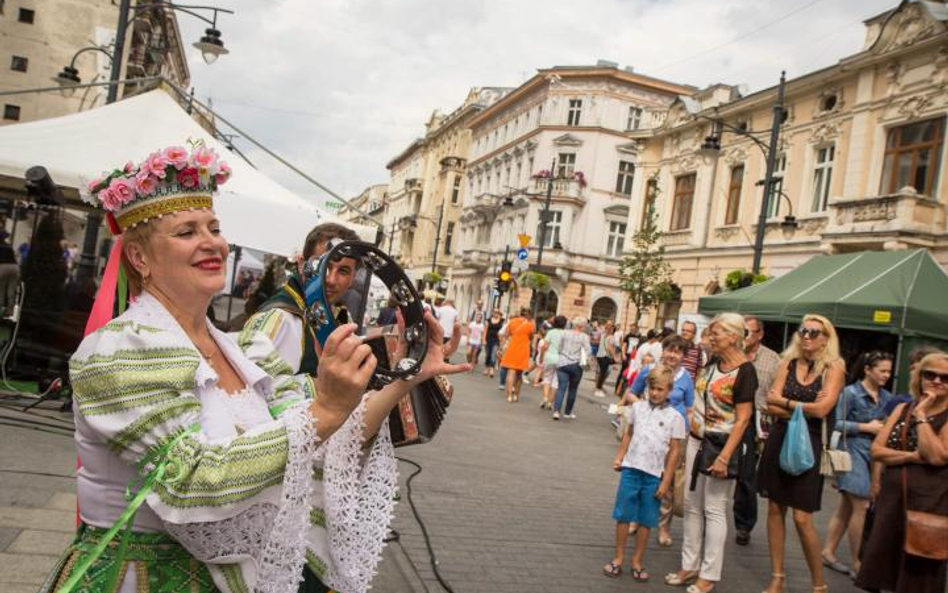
810, 377
860, 415
916, 463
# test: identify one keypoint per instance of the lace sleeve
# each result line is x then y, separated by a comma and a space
359, 497
267, 542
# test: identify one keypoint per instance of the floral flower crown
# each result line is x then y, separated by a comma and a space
169, 180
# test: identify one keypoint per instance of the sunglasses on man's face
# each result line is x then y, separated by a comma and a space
934, 377
810, 332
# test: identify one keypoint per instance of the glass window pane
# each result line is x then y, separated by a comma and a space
920, 180
904, 170
887, 173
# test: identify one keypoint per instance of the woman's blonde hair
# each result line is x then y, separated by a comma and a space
732, 323
915, 382
137, 235
830, 352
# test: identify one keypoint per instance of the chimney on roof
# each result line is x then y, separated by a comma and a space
607, 64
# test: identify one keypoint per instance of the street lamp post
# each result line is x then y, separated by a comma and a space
769, 175
211, 47
712, 144
544, 221
434, 259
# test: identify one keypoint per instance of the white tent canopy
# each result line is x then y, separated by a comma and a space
255, 211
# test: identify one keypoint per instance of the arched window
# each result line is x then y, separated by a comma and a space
604, 309
549, 303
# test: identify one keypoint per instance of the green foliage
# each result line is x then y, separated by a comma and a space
644, 273
537, 281
432, 278
738, 279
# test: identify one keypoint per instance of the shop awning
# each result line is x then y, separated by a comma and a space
255, 211
899, 292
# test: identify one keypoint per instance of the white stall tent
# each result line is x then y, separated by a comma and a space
255, 211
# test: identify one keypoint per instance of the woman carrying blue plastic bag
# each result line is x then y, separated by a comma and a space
796, 453
807, 384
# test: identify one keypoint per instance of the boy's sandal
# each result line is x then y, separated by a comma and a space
676, 580
612, 570
640, 574
693, 588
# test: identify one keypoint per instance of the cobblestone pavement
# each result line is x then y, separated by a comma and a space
514, 501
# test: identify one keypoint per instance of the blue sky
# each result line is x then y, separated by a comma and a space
339, 87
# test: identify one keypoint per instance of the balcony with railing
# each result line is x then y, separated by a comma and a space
885, 218
562, 188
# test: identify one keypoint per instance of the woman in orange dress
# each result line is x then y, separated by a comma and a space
516, 358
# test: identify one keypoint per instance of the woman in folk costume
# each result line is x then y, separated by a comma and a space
206, 464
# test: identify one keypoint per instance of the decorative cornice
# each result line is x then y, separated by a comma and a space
567, 140
735, 156
825, 132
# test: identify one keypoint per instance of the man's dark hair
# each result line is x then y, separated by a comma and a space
676, 342
324, 232
560, 321
651, 334
666, 331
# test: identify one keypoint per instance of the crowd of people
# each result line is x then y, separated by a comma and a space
704, 428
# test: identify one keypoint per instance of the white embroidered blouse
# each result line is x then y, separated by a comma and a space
242, 494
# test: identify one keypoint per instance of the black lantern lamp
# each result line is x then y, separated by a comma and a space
211, 46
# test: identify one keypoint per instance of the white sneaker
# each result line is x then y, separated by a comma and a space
570, 416
599, 393
501, 387
556, 415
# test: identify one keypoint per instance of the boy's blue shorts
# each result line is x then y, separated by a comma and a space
635, 498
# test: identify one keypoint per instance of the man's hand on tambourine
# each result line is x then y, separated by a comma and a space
434, 363
345, 366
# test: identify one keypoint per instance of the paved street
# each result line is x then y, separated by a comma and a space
514, 501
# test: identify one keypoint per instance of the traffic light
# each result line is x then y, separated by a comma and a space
504, 277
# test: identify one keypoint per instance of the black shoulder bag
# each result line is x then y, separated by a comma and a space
712, 443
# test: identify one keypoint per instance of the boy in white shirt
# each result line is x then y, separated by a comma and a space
647, 458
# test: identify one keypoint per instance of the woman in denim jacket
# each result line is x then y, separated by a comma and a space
860, 414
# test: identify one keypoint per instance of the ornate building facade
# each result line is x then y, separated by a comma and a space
860, 162
427, 188
569, 127
42, 37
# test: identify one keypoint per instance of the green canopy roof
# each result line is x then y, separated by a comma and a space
899, 292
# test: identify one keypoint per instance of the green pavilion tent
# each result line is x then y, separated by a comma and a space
902, 293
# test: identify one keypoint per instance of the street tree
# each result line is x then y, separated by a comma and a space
644, 273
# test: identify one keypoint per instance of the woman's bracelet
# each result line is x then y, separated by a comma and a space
786, 403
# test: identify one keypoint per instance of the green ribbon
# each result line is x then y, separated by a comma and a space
127, 518
122, 287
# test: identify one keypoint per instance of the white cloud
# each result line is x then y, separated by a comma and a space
339, 87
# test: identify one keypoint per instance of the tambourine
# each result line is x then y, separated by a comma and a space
398, 341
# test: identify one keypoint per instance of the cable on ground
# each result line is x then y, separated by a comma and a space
424, 530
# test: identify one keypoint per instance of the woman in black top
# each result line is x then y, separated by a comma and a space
810, 376
492, 341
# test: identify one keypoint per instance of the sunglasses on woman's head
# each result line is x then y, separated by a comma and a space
810, 332
932, 377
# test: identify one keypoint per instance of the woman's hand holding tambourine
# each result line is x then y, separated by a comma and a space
345, 366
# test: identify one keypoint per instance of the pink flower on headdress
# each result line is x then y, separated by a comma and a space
176, 156
129, 167
145, 184
155, 164
94, 184
223, 173
188, 178
122, 190
108, 200
205, 158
